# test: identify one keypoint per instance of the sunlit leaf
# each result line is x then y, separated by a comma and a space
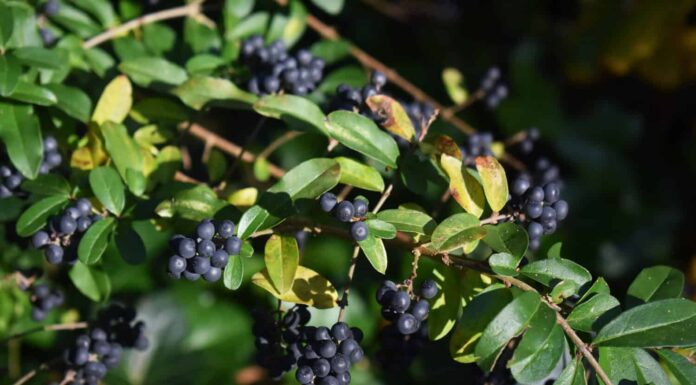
308, 288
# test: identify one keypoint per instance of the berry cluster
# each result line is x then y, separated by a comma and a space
495, 91
11, 179
207, 254
274, 69
538, 206
60, 239
355, 99
43, 300
278, 343
345, 211
407, 332
328, 354
530, 136
476, 144
92, 354
420, 114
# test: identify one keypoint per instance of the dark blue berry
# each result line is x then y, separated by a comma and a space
40, 239
387, 286
327, 202
187, 247
326, 349
322, 333
206, 248
551, 192
561, 208
534, 209
340, 331
225, 229
359, 231
360, 206
520, 186
344, 211
83, 223
54, 254
67, 225
407, 324
213, 275
420, 310
535, 230
548, 214
429, 289
304, 375
200, 265
219, 259
205, 230
378, 79
400, 301
84, 206
177, 264
233, 245
321, 367
536, 194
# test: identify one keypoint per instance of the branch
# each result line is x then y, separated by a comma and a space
346, 291
46, 328
281, 140
191, 9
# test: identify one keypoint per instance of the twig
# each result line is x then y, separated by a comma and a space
495, 218
473, 98
249, 140
383, 198
281, 140
44, 366
46, 328
191, 9
181, 177
346, 291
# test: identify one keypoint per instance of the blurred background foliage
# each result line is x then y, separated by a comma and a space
610, 84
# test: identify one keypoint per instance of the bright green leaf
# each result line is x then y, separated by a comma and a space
375, 252
20, 130
90, 281
34, 218
655, 283
362, 135
356, 174
108, 188
282, 256
308, 288
94, 242
409, 221
456, 231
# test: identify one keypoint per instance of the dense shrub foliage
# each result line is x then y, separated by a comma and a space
141, 156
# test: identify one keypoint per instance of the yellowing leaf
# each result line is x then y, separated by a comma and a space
308, 288
245, 197
282, 257
494, 181
115, 101
396, 119
465, 189
81, 159
454, 83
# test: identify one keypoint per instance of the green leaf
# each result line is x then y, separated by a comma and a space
409, 221
76, 21
52, 59
679, 366
234, 10
101, 9
308, 288
549, 271
350, 75
648, 370
125, 154
332, 7
381, 229
200, 90
392, 116
539, 350
631, 365
667, 322
201, 37
6, 25
99, 61
48, 184
114, 102
362, 135
19, 129
196, 203
477, 315
332, 51
108, 188
587, 316
146, 70
655, 283
234, 272
90, 281
159, 38
463, 186
72, 101
454, 84
507, 238
10, 70
374, 250
307, 180
203, 64
254, 24
509, 323
456, 231
573, 374
563, 290
35, 217
356, 174
504, 264
298, 112
31, 93
599, 286
446, 307
94, 242
421, 175
494, 181
555, 250
296, 24
282, 256
130, 244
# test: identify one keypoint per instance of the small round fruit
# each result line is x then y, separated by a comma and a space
205, 230
561, 208
200, 265
304, 375
233, 245
213, 275
429, 289
40, 239
83, 223
535, 194
400, 302
339, 364
321, 367
345, 211
327, 202
407, 324
520, 186
327, 349
535, 230
187, 247
420, 310
225, 229
206, 248
340, 331
548, 214
177, 264
219, 259
534, 209
359, 231
552, 192
356, 355
84, 206
348, 346
387, 286
54, 254
360, 206
67, 225
378, 79
322, 333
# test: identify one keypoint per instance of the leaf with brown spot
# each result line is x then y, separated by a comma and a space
494, 181
395, 118
465, 189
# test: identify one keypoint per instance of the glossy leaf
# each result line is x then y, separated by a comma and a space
409, 221
33, 94
46, 185
332, 51
587, 316
234, 272
34, 218
667, 322
10, 70
108, 188
374, 250
655, 283
200, 90
307, 180
196, 203
297, 23
298, 112
125, 154
599, 286
308, 288
356, 174
548, 271
624, 365
146, 70
362, 135
94, 242
21, 133
115, 102
509, 323
540, 349
494, 181
504, 264
573, 374
446, 307
648, 370
392, 116
72, 101
507, 238
381, 229
465, 189
90, 281
679, 366
282, 256
456, 231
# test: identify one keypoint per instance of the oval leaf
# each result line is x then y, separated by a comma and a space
588, 316
507, 238
20, 130
114, 102
655, 283
48, 184
95, 241
356, 174
35, 217
494, 181
298, 112
392, 116
200, 90
573, 374
362, 135
681, 368
539, 350
409, 221
282, 257
72, 101
463, 186
381, 229
308, 288
375, 252
447, 305
90, 281
550, 271
146, 70
456, 231
108, 188
234, 272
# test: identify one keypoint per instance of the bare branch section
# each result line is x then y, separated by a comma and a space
46, 328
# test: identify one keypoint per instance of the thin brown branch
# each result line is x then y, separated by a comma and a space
181, 177
44, 366
46, 328
383, 198
346, 290
281, 140
473, 98
191, 9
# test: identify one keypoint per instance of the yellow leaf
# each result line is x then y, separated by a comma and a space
494, 181
115, 102
465, 189
395, 119
245, 197
81, 159
308, 288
